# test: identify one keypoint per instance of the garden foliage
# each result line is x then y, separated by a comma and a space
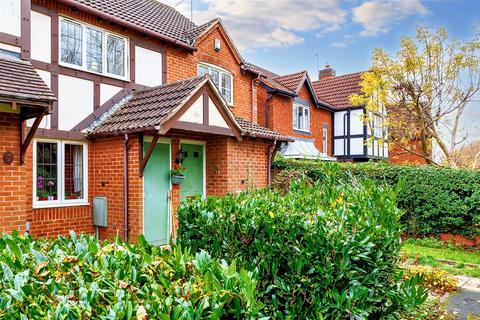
435, 200
437, 280
80, 278
322, 251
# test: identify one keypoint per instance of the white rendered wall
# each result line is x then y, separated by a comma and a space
356, 146
338, 123
195, 113
356, 123
107, 91
215, 118
75, 101
41, 29
10, 17
8, 47
45, 124
148, 67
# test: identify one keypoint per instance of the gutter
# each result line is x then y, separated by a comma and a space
121, 22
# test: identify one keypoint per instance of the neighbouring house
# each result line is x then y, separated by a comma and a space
139, 89
354, 139
288, 104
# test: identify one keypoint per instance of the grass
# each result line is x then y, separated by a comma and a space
454, 259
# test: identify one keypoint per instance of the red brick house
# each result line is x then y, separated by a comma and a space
289, 105
132, 99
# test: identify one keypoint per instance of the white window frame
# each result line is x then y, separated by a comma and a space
325, 140
377, 125
220, 71
84, 67
61, 201
306, 122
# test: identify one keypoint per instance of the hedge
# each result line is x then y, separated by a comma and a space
435, 200
80, 278
326, 251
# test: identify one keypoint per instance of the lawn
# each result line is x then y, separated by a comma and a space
454, 259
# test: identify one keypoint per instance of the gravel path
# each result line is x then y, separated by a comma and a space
465, 304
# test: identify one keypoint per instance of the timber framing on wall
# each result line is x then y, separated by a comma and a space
55, 69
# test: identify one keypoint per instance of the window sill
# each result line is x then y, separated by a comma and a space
106, 75
302, 131
59, 205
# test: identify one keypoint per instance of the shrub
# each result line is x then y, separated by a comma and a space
435, 200
437, 280
328, 251
80, 278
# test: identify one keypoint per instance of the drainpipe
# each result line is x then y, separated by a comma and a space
271, 154
266, 108
344, 138
125, 187
253, 97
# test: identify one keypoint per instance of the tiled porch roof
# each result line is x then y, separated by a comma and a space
146, 109
19, 80
337, 90
251, 129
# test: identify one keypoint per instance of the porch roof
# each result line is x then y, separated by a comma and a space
20, 82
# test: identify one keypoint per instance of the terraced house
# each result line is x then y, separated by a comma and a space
101, 99
112, 95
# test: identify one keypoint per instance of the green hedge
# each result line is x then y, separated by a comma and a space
435, 200
327, 251
80, 278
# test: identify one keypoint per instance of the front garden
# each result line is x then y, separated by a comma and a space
325, 246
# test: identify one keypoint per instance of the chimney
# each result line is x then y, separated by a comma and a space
326, 73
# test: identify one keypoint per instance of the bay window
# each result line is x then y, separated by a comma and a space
301, 117
222, 80
92, 49
60, 173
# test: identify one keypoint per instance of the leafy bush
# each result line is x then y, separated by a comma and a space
326, 251
437, 280
435, 200
80, 278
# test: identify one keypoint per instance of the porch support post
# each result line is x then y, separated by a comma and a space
24, 144
144, 159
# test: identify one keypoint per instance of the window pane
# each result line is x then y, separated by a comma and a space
47, 171
227, 87
295, 117
307, 119
300, 118
73, 179
202, 70
94, 50
115, 55
325, 140
215, 77
71, 42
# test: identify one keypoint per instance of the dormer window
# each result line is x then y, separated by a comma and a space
92, 49
301, 117
222, 79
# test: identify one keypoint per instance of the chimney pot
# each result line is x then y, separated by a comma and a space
326, 73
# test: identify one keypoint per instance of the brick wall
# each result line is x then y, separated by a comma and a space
281, 116
398, 155
12, 176
182, 65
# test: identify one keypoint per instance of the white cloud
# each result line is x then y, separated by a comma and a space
340, 44
266, 24
376, 15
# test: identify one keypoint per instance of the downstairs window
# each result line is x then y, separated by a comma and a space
60, 173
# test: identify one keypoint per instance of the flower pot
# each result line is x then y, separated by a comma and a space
43, 198
177, 179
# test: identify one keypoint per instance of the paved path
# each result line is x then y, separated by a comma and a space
465, 304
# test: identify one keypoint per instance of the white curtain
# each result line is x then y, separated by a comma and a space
78, 168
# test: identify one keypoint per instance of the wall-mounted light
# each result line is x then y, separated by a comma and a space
180, 156
218, 45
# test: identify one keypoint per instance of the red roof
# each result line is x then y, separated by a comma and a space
292, 81
337, 90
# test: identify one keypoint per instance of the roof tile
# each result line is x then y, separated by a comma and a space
337, 90
19, 80
254, 130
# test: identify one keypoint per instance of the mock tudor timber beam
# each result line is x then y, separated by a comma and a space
24, 144
144, 159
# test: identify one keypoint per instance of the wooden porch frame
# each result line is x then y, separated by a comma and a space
143, 159
28, 139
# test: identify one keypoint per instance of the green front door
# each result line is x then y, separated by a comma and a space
156, 186
192, 185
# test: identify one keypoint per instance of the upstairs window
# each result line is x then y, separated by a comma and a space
377, 126
92, 49
301, 117
60, 173
222, 79
325, 140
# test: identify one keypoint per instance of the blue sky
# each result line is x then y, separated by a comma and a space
285, 36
